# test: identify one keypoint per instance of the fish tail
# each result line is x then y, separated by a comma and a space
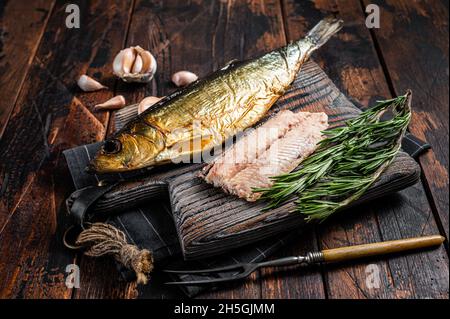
323, 31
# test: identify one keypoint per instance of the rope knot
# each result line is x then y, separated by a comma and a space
140, 261
103, 239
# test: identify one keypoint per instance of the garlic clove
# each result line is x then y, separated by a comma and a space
183, 78
134, 64
137, 66
88, 84
147, 102
114, 103
129, 55
153, 64
117, 64
149, 62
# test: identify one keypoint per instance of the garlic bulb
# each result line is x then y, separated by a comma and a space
134, 64
147, 102
114, 103
183, 78
88, 84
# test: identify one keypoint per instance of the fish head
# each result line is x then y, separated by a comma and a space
134, 149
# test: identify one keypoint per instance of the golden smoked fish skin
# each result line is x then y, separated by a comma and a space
209, 111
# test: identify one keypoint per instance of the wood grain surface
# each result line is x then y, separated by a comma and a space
42, 113
19, 39
421, 33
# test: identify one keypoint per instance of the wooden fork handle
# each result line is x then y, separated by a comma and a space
386, 247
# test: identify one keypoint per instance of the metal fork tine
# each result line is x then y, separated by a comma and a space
205, 271
206, 281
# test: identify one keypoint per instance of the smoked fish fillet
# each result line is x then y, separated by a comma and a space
298, 135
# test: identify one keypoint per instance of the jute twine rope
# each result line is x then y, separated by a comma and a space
103, 239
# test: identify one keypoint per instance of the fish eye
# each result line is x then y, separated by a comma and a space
112, 146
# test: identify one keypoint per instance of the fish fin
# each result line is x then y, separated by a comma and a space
324, 30
230, 64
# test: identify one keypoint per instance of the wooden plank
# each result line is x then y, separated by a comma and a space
413, 40
21, 27
351, 61
147, 31
357, 76
101, 281
51, 114
100, 278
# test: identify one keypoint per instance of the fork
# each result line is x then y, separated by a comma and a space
243, 270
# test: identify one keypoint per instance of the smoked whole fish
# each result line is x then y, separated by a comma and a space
209, 111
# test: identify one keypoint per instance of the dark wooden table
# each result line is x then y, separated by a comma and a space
42, 113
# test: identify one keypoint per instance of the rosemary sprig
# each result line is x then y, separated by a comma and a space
346, 163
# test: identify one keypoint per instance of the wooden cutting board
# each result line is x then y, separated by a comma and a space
207, 220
